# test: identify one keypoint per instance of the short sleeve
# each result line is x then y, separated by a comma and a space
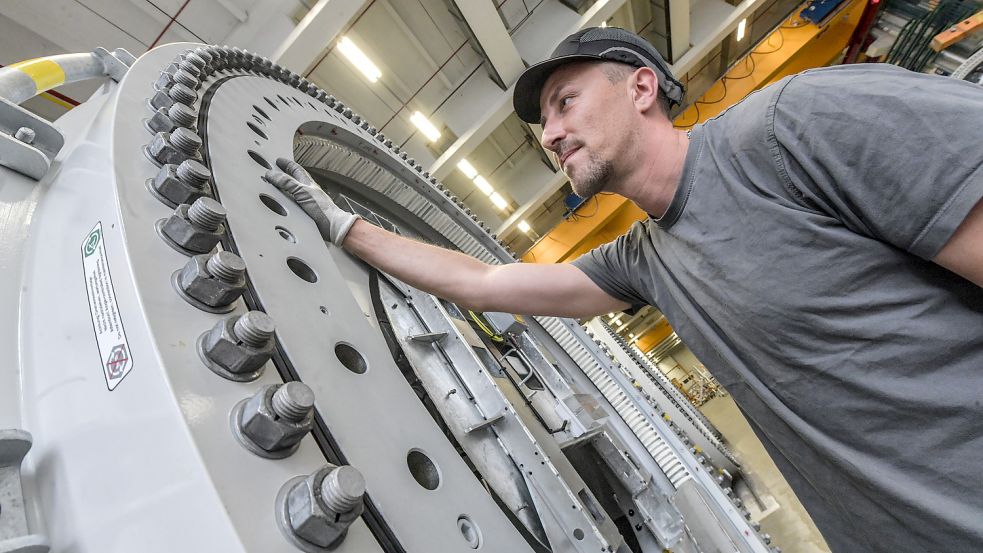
892, 154
612, 265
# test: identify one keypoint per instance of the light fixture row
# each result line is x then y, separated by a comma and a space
371, 72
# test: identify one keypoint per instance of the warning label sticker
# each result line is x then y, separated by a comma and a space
114, 350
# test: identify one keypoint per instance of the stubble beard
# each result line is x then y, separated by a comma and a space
593, 177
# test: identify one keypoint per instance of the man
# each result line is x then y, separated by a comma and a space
807, 245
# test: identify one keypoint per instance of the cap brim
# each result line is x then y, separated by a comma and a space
525, 97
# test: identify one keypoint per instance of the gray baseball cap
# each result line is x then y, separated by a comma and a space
597, 44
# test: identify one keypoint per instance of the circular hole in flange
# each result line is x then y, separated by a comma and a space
256, 130
469, 531
324, 310
350, 358
285, 234
259, 159
261, 112
272, 105
578, 533
301, 269
424, 470
274, 205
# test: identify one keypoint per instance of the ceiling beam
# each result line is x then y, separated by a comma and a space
318, 30
493, 38
496, 113
543, 193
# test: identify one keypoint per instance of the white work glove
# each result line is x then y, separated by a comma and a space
333, 222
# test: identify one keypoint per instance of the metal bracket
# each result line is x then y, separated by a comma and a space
14, 535
117, 62
32, 159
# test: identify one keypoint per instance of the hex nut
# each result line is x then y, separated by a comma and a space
164, 151
179, 229
196, 282
239, 361
176, 191
309, 517
265, 429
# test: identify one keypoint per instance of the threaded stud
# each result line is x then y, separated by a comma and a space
204, 54
193, 172
186, 78
194, 59
293, 401
207, 213
185, 141
25, 135
254, 328
342, 489
181, 115
226, 266
182, 94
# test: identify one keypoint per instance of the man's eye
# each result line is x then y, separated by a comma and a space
565, 101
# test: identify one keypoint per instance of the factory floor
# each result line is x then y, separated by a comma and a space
789, 524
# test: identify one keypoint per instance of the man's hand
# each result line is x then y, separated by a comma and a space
333, 222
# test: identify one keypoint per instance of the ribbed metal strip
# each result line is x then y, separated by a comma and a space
661, 452
672, 393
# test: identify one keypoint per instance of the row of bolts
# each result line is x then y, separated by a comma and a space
720, 479
213, 281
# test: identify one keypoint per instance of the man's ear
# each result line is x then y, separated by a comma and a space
644, 89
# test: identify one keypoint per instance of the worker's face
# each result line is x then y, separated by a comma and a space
583, 124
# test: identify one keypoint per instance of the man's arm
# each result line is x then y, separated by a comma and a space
525, 288
963, 253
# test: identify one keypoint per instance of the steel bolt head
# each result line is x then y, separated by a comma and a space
221, 347
310, 519
170, 186
25, 135
265, 429
199, 284
160, 122
191, 237
161, 99
164, 151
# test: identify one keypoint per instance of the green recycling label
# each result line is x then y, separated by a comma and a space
114, 350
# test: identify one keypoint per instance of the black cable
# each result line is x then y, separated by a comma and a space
749, 73
722, 97
696, 106
768, 42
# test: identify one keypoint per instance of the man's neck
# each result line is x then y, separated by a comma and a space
653, 182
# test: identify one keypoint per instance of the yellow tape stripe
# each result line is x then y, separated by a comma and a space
57, 100
45, 73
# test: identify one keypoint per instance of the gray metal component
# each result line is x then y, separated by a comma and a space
115, 63
238, 347
504, 323
369, 396
174, 147
25, 135
666, 397
29, 158
194, 229
274, 428
211, 282
180, 184
15, 536
314, 512
487, 426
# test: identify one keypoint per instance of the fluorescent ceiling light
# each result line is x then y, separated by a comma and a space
524, 226
483, 185
499, 201
604, 23
612, 315
468, 169
741, 27
425, 126
359, 59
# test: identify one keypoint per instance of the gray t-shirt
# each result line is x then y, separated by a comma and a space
794, 262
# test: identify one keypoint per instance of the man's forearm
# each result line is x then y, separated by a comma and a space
444, 273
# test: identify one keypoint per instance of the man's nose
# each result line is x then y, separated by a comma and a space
552, 134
